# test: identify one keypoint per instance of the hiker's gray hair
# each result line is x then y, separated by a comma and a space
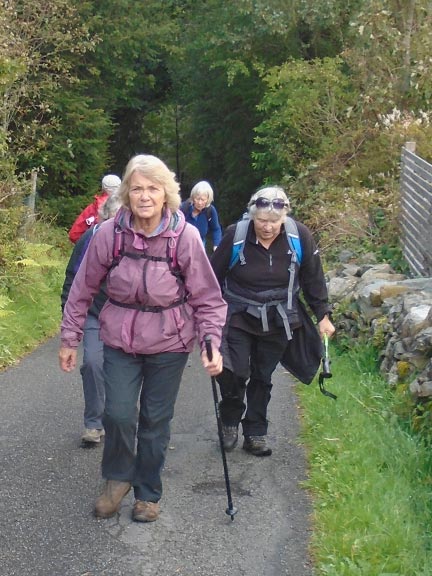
202, 187
109, 208
269, 193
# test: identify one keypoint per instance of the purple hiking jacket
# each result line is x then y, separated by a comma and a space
147, 283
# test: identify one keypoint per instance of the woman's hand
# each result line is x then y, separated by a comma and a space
215, 366
67, 358
326, 327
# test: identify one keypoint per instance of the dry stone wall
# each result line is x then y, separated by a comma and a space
393, 310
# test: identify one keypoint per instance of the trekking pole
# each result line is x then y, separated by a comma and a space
326, 372
230, 510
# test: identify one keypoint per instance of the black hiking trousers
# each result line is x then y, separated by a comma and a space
246, 391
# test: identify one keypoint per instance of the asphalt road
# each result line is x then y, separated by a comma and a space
48, 484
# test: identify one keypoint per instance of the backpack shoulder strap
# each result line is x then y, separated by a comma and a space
293, 238
171, 253
294, 243
118, 243
238, 241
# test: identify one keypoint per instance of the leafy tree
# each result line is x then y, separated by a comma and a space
127, 75
389, 54
39, 40
305, 110
218, 84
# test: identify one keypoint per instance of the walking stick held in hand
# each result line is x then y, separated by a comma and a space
230, 510
326, 372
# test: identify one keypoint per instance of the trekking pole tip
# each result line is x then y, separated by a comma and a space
231, 512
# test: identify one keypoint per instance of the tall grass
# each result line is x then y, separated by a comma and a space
369, 477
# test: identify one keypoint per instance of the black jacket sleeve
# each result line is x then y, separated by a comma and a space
221, 257
73, 264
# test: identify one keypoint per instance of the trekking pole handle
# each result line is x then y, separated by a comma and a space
326, 359
208, 346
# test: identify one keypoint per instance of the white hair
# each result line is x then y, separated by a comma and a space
202, 187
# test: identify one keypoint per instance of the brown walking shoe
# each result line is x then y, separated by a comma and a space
110, 500
145, 511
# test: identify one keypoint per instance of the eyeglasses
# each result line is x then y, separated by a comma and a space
275, 204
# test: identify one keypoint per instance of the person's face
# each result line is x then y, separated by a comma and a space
200, 201
146, 198
267, 225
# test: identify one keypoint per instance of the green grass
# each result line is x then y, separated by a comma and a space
30, 298
35, 316
370, 478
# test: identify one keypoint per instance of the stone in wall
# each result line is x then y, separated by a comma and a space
372, 298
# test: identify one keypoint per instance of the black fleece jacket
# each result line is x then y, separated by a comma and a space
266, 269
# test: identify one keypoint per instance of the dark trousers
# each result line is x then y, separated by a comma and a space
136, 440
254, 359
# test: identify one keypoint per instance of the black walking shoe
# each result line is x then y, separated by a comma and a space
256, 445
230, 437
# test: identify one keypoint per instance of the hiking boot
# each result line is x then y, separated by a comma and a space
145, 511
256, 445
230, 437
108, 503
92, 435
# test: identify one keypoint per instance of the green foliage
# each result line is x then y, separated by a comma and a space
305, 106
41, 43
77, 156
64, 209
30, 303
218, 84
369, 478
388, 51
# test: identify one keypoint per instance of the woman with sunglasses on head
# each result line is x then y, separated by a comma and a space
266, 322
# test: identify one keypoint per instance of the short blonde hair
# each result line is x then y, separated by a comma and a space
269, 193
154, 169
202, 187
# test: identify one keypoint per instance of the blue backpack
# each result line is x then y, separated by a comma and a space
294, 244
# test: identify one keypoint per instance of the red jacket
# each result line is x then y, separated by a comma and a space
87, 218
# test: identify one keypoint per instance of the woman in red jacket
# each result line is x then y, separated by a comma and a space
89, 216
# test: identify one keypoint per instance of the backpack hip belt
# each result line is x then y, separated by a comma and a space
259, 310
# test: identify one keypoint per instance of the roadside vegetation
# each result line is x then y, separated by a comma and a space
31, 312
370, 473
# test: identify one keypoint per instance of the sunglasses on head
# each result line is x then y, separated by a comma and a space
276, 203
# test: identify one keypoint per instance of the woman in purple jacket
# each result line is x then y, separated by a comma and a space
162, 295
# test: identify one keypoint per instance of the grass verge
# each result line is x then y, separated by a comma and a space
30, 303
370, 477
